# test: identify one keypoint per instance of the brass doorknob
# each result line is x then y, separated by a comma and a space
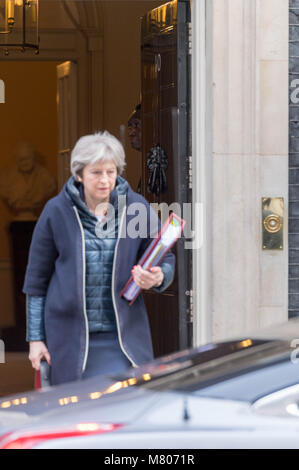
272, 223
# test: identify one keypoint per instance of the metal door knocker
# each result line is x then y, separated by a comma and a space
157, 164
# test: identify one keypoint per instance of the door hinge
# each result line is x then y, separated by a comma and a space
190, 171
189, 293
189, 26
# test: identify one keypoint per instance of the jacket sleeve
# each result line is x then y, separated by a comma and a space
168, 271
35, 306
168, 263
42, 256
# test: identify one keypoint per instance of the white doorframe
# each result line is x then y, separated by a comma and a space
202, 169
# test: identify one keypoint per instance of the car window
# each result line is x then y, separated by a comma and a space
221, 371
254, 384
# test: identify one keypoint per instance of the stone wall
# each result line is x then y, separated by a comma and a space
293, 159
249, 161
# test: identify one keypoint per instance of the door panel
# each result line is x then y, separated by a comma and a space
165, 107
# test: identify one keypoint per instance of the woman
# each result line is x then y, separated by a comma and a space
81, 256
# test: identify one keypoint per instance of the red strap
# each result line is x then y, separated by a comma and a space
37, 381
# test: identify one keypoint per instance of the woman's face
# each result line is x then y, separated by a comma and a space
99, 180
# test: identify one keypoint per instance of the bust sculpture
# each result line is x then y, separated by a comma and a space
27, 185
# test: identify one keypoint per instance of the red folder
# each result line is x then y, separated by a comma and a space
155, 253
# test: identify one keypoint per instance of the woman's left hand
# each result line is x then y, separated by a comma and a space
148, 279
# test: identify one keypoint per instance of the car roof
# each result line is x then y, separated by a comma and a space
208, 360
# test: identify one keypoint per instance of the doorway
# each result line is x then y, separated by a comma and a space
28, 115
122, 52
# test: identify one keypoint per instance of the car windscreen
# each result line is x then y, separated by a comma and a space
221, 370
253, 384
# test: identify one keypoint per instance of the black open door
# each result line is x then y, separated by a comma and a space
166, 147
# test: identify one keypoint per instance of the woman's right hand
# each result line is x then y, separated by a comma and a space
38, 350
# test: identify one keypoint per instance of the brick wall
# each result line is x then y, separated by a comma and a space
293, 158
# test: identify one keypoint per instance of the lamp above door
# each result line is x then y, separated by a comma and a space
19, 25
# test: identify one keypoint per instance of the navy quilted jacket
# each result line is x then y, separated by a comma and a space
99, 260
56, 271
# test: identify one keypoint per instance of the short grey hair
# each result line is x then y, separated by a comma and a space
101, 146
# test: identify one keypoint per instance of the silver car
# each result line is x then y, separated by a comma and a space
242, 393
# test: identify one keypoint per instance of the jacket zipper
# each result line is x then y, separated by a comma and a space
112, 288
84, 295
